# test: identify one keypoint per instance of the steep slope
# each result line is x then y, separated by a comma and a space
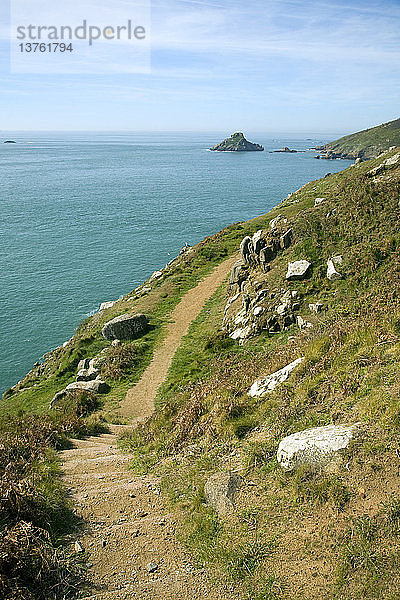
312, 532
365, 144
318, 287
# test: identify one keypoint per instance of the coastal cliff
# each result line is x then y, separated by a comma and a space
274, 436
365, 144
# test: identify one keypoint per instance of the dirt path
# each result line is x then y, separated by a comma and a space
139, 401
129, 539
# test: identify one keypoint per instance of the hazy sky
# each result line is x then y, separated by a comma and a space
266, 65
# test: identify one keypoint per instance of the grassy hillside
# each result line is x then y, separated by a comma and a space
303, 535
368, 143
308, 534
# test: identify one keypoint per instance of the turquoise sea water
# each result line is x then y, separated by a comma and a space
87, 217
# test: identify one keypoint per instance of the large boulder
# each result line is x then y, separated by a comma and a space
96, 386
298, 270
246, 249
317, 447
267, 384
239, 272
219, 491
333, 263
125, 327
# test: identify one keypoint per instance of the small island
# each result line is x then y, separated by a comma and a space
286, 149
237, 143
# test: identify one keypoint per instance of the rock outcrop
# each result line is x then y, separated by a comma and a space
286, 150
97, 386
267, 384
237, 143
316, 447
219, 491
125, 327
252, 307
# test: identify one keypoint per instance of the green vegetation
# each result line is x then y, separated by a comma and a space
36, 390
368, 143
36, 515
298, 543
303, 535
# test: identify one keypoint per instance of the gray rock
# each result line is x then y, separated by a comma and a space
58, 397
87, 374
298, 270
316, 308
219, 491
279, 219
333, 263
156, 275
318, 201
265, 385
257, 241
267, 255
316, 447
239, 272
96, 386
242, 333
184, 249
83, 364
286, 239
246, 249
79, 547
302, 323
125, 327
151, 567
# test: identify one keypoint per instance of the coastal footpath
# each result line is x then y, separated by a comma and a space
269, 446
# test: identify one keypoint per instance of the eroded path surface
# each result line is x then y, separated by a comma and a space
139, 400
130, 536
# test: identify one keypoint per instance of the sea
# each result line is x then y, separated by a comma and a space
85, 217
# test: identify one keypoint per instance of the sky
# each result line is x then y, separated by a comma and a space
315, 66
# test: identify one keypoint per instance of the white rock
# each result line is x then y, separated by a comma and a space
318, 201
297, 269
316, 308
302, 323
267, 384
258, 311
241, 333
314, 447
79, 547
156, 275
393, 160
105, 305
332, 273
277, 219
96, 385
